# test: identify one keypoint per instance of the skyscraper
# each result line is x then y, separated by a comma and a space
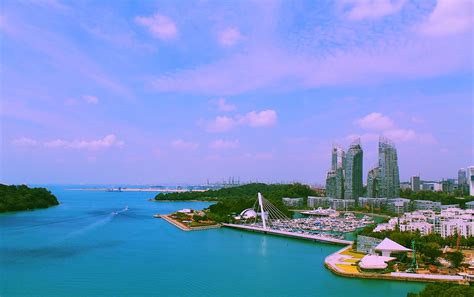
470, 179
353, 171
384, 180
338, 158
388, 164
462, 176
373, 181
335, 176
415, 183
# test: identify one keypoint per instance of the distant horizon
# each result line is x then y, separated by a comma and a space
186, 91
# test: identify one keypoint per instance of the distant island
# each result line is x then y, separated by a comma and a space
231, 201
15, 198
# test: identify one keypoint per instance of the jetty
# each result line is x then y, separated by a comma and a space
182, 226
298, 235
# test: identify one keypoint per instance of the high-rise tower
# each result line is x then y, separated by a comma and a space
388, 165
373, 182
353, 171
335, 176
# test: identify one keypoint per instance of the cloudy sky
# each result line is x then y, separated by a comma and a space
185, 91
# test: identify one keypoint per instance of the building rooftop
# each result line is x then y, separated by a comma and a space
390, 245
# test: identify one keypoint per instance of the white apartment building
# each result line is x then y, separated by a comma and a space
446, 223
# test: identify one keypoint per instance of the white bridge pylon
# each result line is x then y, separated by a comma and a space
272, 217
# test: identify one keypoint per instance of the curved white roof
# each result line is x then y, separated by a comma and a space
248, 213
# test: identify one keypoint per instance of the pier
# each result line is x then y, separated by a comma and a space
312, 237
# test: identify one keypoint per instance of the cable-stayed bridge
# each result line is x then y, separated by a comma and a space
266, 218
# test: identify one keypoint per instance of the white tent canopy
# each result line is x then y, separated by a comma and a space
387, 246
375, 262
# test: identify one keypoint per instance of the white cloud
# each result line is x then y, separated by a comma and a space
106, 142
266, 118
229, 37
221, 124
364, 137
24, 141
371, 9
449, 17
224, 144
160, 26
385, 126
254, 119
222, 105
184, 145
375, 121
258, 156
400, 135
90, 99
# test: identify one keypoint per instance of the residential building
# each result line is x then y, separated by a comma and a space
426, 205
372, 202
373, 182
335, 176
353, 186
470, 205
338, 158
384, 180
432, 186
405, 185
448, 222
293, 202
447, 206
388, 163
449, 185
334, 203
398, 205
425, 228
415, 183
470, 179
462, 176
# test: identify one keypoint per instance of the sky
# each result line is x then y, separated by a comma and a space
181, 91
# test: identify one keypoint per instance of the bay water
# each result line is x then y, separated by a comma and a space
91, 245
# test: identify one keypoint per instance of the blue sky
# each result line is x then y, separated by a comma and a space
185, 91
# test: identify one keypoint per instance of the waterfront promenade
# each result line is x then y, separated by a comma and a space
344, 263
312, 237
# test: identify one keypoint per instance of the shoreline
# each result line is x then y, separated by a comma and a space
166, 200
165, 190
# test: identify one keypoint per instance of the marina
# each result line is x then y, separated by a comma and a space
332, 227
297, 235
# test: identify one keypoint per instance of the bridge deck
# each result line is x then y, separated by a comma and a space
290, 234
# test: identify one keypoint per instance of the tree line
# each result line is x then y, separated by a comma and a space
439, 196
21, 197
231, 201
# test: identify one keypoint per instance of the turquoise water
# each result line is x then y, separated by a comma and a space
80, 249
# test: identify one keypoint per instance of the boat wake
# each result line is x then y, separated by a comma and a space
96, 224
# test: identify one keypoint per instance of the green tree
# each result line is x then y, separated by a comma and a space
431, 250
456, 258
